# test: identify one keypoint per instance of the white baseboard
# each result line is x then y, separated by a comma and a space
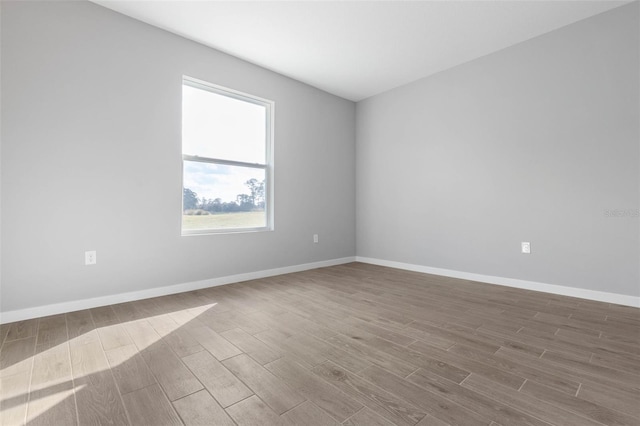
76, 305
601, 296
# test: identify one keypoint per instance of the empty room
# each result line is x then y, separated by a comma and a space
365, 213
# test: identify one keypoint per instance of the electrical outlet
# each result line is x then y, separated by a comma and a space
90, 257
526, 247
315, 238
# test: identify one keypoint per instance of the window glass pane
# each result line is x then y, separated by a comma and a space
217, 196
217, 126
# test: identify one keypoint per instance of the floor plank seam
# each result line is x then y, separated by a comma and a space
26, 411
522, 385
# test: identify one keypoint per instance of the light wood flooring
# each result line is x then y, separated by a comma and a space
354, 344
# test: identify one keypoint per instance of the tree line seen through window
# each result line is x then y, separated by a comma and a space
253, 201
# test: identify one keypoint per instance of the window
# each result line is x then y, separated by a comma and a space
226, 160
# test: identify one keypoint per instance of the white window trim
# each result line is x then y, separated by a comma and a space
267, 166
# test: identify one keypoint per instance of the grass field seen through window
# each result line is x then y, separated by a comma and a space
224, 221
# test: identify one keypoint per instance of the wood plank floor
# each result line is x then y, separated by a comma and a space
353, 344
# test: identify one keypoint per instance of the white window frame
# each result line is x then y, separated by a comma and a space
267, 166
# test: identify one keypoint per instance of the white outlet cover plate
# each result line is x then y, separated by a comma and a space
90, 257
526, 247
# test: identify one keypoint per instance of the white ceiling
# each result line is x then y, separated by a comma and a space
356, 49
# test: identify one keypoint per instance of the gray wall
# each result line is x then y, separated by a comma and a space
532, 143
91, 159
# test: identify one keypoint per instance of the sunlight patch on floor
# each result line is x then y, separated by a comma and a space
44, 383
42, 401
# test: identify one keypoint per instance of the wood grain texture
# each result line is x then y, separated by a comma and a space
14, 390
98, 400
226, 388
53, 405
217, 346
52, 331
4, 330
268, 387
51, 367
308, 414
175, 336
142, 334
79, 326
377, 399
150, 406
366, 417
339, 405
488, 408
577, 405
535, 407
605, 396
170, 372
250, 345
431, 402
201, 409
16, 356
104, 315
433, 421
87, 359
113, 336
352, 344
22, 329
253, 412
129, 369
